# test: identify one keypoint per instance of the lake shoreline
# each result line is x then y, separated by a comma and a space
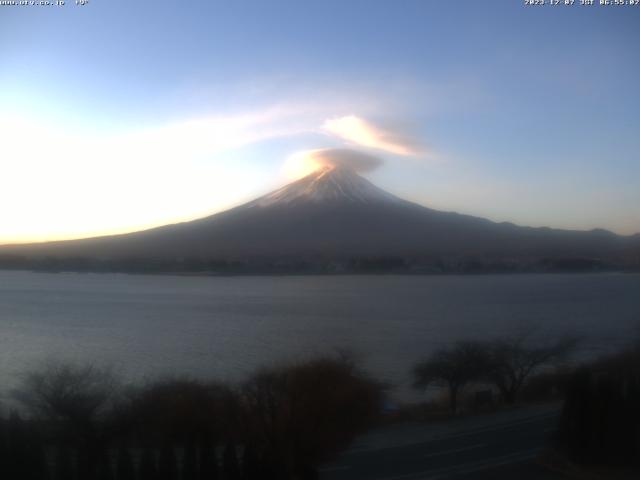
330, 274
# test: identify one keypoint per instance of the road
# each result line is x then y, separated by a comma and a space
491, 446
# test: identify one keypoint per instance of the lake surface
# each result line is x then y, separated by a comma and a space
225, 327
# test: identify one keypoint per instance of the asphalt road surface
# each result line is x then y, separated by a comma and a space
492, 446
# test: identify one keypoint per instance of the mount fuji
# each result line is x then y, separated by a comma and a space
334, 214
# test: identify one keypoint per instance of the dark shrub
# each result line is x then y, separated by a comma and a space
300, 416
600, 421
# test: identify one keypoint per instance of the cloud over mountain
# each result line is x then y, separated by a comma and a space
344, 157
362, 132
305, 162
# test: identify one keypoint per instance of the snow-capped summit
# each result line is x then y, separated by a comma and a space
326, 185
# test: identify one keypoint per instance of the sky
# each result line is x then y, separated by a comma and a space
118, 116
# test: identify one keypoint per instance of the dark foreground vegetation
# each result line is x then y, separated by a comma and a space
79, 423
504, 365
600, 422
598, 434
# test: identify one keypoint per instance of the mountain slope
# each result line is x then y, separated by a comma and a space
331, 214
327, 185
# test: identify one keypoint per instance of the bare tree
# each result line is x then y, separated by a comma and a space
76, 399
513, 360
68, 392
452, 368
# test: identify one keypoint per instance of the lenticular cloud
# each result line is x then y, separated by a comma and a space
343, 157
361, 132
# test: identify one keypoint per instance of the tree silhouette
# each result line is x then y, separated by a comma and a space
148, 467
64, 391
453, 368
600, 420
76, 398
124, 464
190, 462
26, 458
179, 411
104, 470
300, 416
63, 466
250, 464
208, 463
230, 467
513, 360
4, 447
167, 463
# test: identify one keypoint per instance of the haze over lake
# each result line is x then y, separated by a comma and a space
226, 327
